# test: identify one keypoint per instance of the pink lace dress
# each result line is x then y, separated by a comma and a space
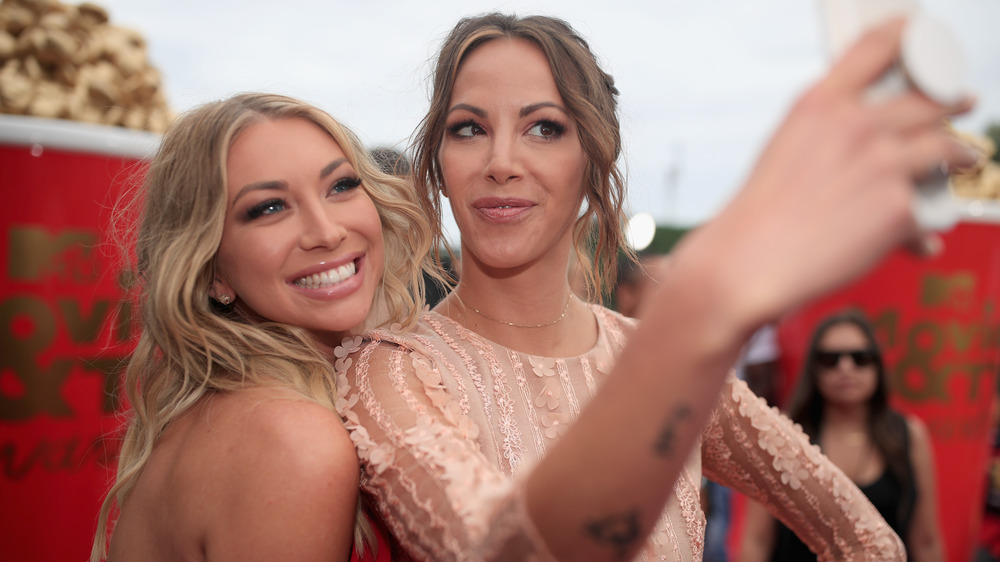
447, 424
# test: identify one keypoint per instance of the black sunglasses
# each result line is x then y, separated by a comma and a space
830, 359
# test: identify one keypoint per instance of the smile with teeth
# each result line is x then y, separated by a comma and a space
326, 278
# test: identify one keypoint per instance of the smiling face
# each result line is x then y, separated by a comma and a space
511, 157
302, 240
841, 380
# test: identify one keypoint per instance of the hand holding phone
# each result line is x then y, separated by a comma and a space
931, 60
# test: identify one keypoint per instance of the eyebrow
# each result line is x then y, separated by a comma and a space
329, 168
280, 185
525, 111
470, 108
529, 109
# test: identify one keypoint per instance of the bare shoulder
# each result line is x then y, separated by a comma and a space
920, 445
288, 475
275, 427
919, 434
252, 474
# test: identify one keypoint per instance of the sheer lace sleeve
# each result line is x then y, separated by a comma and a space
758, 451
438, 493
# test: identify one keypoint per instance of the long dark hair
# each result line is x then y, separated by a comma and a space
886, 427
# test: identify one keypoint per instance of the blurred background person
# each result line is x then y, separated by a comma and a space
395, 162
391, 161
841, 400
633, 282
758, 365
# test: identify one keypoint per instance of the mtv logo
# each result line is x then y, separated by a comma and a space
956, 290
35, 254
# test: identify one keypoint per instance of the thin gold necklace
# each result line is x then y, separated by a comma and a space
488, 317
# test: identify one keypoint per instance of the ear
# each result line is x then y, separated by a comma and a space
220, 290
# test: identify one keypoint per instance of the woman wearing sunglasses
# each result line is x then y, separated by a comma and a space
841, 400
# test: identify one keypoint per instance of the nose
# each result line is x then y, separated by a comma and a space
321, 227
504, 163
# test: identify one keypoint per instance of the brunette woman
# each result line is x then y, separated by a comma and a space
517, 421
841, 400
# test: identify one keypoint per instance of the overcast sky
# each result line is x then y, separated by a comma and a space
702, 83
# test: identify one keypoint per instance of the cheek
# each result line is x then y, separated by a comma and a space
245, 261
573, 171
872, 383
456, 164
823, 387
226, 262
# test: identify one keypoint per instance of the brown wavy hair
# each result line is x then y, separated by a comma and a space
591, 99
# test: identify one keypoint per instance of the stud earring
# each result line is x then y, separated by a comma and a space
225, 299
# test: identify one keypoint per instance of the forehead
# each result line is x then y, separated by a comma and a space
281, 132
507, 67
277, 147
844, 334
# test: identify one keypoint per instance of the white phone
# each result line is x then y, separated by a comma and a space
931, 60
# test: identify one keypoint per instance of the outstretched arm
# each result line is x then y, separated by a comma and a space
754, 449
784, 239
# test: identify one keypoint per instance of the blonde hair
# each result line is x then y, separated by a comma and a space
190, 347
592, 101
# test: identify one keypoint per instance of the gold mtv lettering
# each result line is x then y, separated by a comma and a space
956, 291
35, 254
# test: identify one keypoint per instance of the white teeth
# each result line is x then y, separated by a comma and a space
326, 278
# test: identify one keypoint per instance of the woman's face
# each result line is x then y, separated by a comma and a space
844, 360
511, 158
302, 241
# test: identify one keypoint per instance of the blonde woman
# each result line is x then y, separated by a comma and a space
265, 234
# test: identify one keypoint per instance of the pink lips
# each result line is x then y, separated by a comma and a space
331, 280
502, 209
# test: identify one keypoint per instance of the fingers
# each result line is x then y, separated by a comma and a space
868, 59
914, 110
929, 151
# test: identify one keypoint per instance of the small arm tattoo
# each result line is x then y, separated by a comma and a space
618, 532
664, 445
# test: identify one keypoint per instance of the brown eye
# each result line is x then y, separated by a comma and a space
465, 129
547, 130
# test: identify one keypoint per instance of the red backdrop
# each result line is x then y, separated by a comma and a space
939, 326
65, 329
938, 323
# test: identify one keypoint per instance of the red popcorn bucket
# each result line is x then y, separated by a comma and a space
938, 323
65, 328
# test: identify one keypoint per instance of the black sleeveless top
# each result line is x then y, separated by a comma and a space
887, 495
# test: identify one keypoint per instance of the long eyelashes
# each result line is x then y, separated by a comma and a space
548, 129
345, 184
464, 129
277, 204
543, 128
268, 207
